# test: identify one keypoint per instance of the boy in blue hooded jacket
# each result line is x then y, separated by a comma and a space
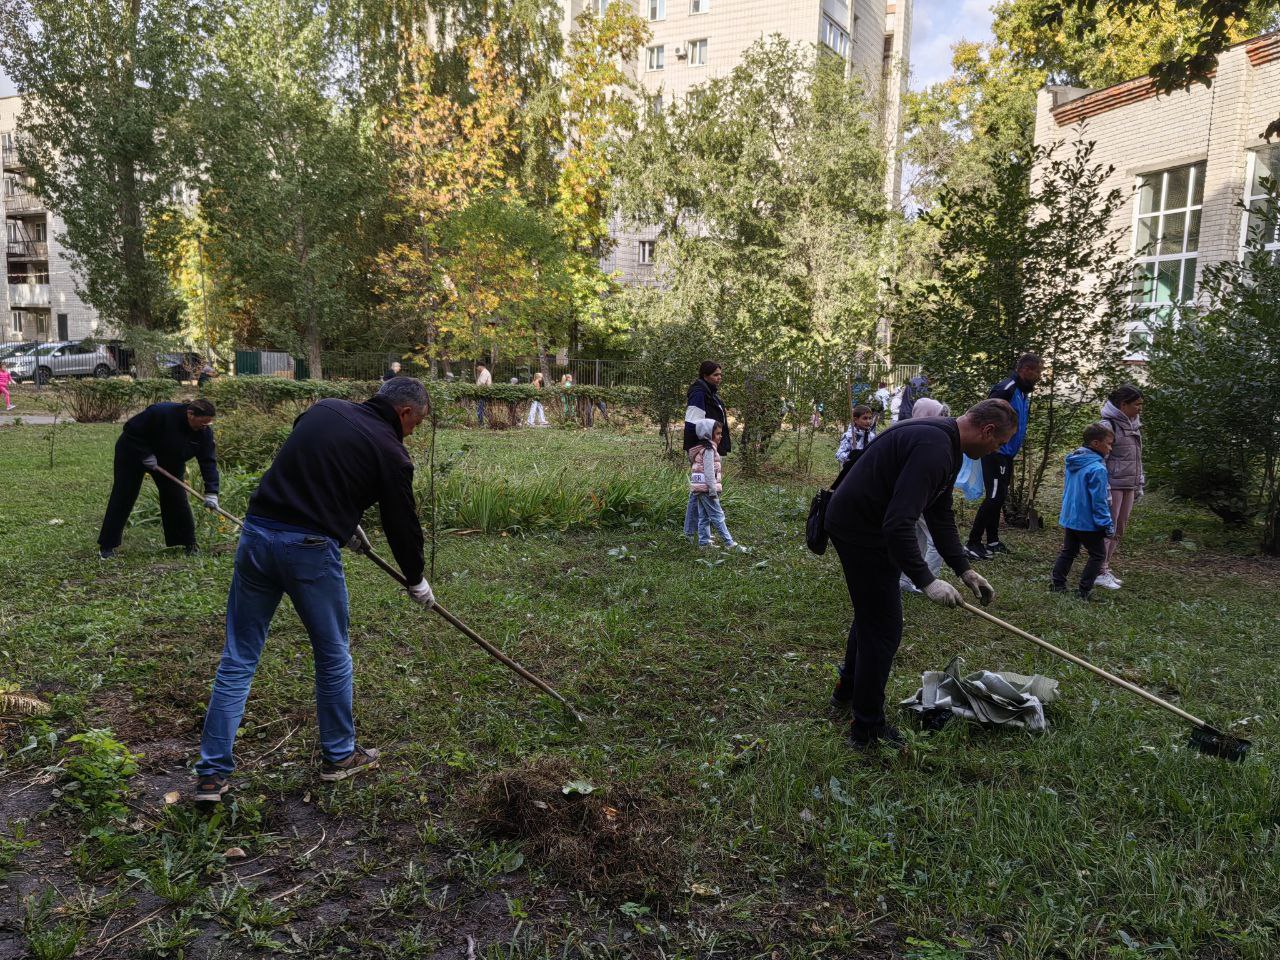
1086, 509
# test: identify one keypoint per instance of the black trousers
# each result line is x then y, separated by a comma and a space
175, 511
997, 471
876, 631
1094, 543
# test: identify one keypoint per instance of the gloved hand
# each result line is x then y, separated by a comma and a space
943, 594
1139, 495
149, 462
359, 541
211, 501
978, 584
422, 594
1111, 532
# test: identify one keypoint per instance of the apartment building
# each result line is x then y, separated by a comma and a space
695, 40
40, 300
1187, 162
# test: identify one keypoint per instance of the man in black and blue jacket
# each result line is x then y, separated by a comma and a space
997, 469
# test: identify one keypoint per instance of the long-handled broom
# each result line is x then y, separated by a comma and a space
361, 545
1204, 738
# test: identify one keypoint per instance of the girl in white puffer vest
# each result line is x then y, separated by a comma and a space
706, 481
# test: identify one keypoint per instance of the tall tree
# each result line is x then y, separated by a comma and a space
1026, 263
289, 187
106, 84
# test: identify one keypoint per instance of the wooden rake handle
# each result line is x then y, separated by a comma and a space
191, 490
1078, 661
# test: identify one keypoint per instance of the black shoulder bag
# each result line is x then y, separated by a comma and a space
815, 528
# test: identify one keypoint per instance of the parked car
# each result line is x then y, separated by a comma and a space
41, 363
180, 366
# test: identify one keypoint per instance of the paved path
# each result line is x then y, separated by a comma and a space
33, 419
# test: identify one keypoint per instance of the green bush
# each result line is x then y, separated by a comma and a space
106, 400
95, 777
268, 393
248, 438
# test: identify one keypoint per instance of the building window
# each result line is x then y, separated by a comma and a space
699, 6
600, 6
648, 249
15, 321
1166, 244
655, 104
657, 57
657, 9
1262, 219
698, 53
835, 36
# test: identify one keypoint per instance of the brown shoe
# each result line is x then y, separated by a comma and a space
360, 759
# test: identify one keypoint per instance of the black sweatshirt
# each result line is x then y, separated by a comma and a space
340, 459
163, 431
907, 473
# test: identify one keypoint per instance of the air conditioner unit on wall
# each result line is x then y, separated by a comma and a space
681, 53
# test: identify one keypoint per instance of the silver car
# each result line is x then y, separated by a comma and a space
61, 359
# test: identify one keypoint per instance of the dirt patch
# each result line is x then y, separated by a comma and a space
608, 841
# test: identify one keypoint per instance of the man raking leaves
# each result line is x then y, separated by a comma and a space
340, 459
906, 474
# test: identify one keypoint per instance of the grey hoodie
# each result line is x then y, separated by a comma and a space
1124, 466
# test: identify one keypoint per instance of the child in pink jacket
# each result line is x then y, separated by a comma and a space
5, 379
706, 482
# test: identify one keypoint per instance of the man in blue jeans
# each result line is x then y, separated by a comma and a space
340, 459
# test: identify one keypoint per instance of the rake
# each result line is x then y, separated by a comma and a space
1205, 738
361, 545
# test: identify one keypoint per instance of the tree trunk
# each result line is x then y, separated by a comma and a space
314, 362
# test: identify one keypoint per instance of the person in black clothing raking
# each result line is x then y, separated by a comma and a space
871, 519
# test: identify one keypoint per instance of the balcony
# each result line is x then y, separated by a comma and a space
28, 250
28, 295
9, 158
23, 202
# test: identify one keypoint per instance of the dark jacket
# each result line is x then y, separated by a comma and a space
907, 473
916, 388
1018, 392
703, 403
162, 430
340, 459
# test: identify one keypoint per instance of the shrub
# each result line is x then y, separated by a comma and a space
95, 778
93, 400
248, 438
268, 393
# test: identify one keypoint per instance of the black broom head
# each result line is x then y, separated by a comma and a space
1215, 743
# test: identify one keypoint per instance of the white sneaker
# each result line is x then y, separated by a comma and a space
1107, 582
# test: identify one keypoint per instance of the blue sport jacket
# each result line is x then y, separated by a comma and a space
1019, 396
1086, 495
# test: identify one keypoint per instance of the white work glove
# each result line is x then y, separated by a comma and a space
978, 584
422, 594
149, 462
943, 594
211, 501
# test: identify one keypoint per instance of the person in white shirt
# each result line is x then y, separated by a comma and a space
483, 379
883, 396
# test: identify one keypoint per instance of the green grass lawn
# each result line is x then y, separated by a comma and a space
716, 811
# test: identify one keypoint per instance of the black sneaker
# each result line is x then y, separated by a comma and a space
1057, 588
864, 737
190, 549
359, 759
105, 554
976, 551
841, 701
998, 547
210, 787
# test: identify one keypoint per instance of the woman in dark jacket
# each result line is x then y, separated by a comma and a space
703, 403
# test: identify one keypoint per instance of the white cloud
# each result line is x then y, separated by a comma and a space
937, 25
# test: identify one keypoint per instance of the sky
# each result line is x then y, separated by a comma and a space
937, 25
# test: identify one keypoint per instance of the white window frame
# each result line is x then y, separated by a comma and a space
648, 252
1139, 331
698, 6
1250, 168
835, 37
600, 6
656, 104
655, 54
698, 52
657, 10
15, 321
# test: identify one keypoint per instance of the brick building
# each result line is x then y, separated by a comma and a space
40, 299
694, 40
1187, 160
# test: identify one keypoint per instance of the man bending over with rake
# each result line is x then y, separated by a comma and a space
340, 459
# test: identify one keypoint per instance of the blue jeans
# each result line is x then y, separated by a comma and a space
480, 412
269, 564
711, 514
692, 517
